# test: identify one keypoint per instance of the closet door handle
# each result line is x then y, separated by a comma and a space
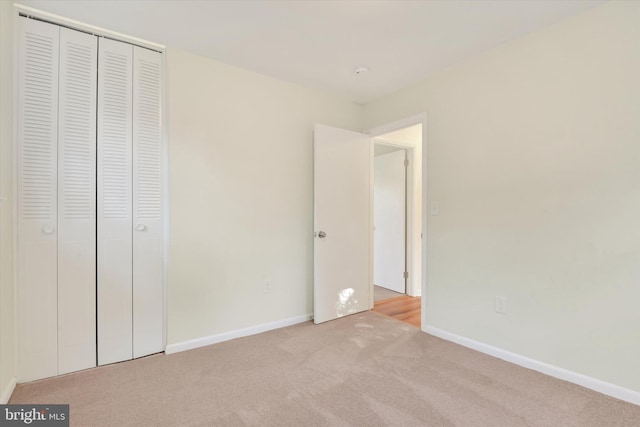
141, 227
48, 229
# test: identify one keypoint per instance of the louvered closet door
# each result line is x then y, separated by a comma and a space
37, 205
147, 204
115, 150
77, 201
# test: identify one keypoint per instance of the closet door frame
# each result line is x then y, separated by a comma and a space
26, 11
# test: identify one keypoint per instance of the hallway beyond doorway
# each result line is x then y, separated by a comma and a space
381, 293
403, 308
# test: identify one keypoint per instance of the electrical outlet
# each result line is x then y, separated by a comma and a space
501, 305
268, 288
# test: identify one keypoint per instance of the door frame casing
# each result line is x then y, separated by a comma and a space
413, 234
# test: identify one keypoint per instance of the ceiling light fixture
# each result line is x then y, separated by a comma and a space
361, 70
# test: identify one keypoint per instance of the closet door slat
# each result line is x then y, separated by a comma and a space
148, 301
114, 186
37, 199
77, 201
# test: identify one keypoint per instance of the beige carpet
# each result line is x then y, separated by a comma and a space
381, 294
363, 370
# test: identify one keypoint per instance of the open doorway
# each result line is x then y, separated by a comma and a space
343, 217
397, 222
389, 221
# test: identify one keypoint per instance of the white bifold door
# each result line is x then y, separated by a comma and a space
148, 298
77, 202
56, 200
130, 256
38, 54
90, 194
115, 201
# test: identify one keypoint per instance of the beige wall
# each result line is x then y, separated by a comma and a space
534, 159
534, 152
7, 326
240, 182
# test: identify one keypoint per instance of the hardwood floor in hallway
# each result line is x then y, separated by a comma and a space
403, 308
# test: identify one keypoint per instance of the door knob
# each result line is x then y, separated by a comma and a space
322, 234
48, 229
140, 227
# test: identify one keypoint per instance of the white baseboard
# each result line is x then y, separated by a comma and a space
238, 333
8, 391
600, 386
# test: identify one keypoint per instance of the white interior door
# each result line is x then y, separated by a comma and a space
342, 217
77, 201
389, 221
38, 54
148, 337
115, 241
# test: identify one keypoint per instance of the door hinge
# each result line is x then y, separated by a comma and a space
406, 275
406, 163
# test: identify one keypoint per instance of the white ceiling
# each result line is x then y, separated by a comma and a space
319, 43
